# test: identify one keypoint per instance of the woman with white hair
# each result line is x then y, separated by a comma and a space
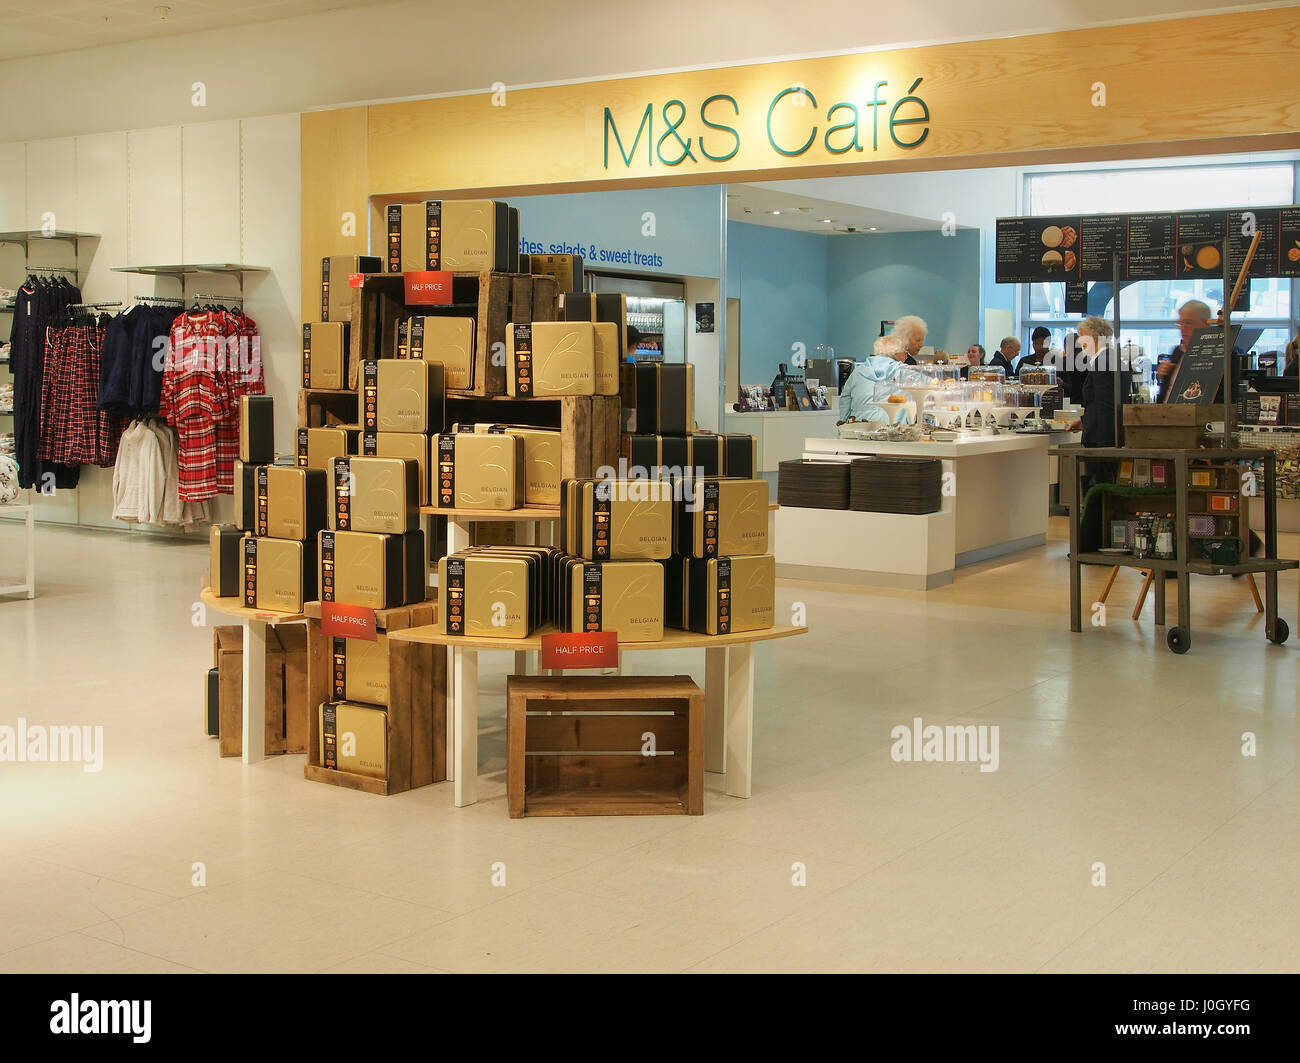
876, 378
912, 331
1099, 354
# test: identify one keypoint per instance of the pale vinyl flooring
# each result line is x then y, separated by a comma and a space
1113, 751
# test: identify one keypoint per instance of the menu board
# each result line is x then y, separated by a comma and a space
1149, 255
1200, 372
1101, 239
1288, 242
1152, 246
1033, 249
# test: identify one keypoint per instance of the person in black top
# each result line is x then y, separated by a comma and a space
1292, 357
1098, 421
1006, 354
1040, 345
1192, 315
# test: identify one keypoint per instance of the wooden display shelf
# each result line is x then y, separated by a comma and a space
1183, 565
394, 619
1157, 564
321, 408
574, 746
469, 516
1254, 564
492, 299
417, 706
231, 607
672, 640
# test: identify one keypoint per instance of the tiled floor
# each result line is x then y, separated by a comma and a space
1116, 759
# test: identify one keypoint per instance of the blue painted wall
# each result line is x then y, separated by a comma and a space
688, 228
781, 280
881, 277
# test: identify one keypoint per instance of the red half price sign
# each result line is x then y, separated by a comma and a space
593, 649
347, 621
428, 288
355, 280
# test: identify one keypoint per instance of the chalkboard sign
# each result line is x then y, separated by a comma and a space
1076, 297
1200, 373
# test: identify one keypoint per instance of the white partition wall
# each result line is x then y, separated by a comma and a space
206, 192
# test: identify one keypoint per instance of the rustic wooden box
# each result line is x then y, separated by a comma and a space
588, 424
492, 299
319, 408
286, 689
417, 705
575, 746
1166, 426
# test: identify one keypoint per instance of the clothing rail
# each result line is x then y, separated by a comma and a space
165, 300
51, 269
92, 306
196, 297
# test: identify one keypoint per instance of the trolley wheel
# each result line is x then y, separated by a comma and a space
1179, 639
1280, 632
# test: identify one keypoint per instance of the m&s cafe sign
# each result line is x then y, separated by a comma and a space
792, 122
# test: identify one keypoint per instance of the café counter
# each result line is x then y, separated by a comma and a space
994, 502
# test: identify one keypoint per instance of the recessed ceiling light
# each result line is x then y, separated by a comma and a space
871, 228
826, 221
774, 212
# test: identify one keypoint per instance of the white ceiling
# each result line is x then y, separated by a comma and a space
759, 204
48, 26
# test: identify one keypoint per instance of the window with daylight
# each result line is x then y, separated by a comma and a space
1148, 309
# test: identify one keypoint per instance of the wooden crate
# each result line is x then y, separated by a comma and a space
417, 705
492, 299
588, 424
286, 689
318, 408
574, 746
1166, 426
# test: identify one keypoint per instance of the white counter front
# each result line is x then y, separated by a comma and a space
780, 436
994, 503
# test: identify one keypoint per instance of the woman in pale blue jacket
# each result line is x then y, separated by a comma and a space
876, 378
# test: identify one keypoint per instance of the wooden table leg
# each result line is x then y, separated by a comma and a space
715, 710
1254, 591
1160, 600
1110, 582
254, 722
465, 709
740, 719
521, 662
1142, 594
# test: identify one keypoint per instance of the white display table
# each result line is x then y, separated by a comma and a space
28, 586
994, 503
780, 436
